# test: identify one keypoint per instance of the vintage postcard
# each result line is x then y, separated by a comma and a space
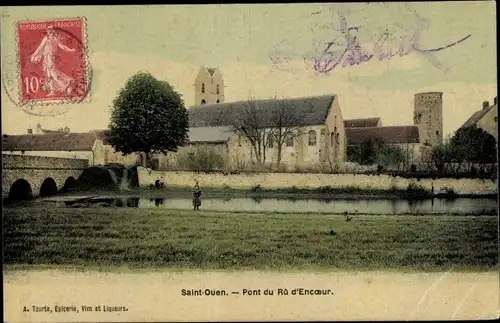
250, 162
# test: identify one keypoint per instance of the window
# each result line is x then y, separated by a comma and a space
322, 132
218, 101
337, 137
437, 133
239, 141
289, 141
495, 119
218, 89
203, 101
202, 87
331, 139
312, 138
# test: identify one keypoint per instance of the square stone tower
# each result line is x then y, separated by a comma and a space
428, 116
208, 86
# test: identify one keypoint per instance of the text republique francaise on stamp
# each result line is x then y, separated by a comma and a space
52, 62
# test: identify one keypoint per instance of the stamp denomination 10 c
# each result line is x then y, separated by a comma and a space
52, 62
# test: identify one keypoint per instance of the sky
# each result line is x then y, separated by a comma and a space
270, 50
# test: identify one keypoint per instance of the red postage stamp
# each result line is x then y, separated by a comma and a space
52, 60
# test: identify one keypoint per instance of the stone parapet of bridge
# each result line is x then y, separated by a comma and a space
39, 174
40, 162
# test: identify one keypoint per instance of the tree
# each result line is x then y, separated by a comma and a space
474, 145
366, 152
283, 126
441, 156
250, 125
148, 116
390, 156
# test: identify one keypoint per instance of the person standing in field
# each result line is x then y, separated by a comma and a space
196, 197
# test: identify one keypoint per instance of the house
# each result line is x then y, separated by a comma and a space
315, 127
110, 155
404, 137
57, 144
486, 119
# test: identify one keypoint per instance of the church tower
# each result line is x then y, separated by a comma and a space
208, 86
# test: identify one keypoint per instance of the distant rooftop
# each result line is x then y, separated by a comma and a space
389, 135
366, 122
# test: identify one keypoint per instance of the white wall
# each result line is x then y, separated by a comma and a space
286, 180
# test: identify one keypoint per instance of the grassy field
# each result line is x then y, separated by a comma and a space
156, 238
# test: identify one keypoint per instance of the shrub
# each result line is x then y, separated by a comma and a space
256, 188
201, 159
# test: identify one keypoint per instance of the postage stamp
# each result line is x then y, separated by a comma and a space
52, 62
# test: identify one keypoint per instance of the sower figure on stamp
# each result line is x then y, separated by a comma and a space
55, 80
196, 197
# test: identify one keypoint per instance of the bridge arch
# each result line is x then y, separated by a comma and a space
49, 187
20, 191
70, 181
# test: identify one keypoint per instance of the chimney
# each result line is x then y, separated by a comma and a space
30, 131
486, 105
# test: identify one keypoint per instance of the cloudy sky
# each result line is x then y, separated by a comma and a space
269, 50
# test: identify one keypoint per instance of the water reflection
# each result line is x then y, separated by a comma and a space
297, 205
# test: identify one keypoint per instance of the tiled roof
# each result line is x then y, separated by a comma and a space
366, 122
389, 135
49, 142
478, 115
209, 134
211, 71
304, 111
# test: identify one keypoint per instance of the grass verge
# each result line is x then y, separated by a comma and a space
139, 238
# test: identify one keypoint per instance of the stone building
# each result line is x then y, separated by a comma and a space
63, 145
208, 86
486, 118
404, 137
317, 139
110, 155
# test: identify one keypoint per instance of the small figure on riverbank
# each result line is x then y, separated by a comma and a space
159, 183
196, 197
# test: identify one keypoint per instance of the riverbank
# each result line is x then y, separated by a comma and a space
321, 183
341, 193
157, 238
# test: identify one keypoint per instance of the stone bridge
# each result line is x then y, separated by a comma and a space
25, 177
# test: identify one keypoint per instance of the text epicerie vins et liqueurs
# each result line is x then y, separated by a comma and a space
72, 308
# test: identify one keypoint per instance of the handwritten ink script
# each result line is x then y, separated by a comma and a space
347, 49
356, 45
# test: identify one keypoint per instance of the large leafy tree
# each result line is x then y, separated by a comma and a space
148, 116
474, 145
